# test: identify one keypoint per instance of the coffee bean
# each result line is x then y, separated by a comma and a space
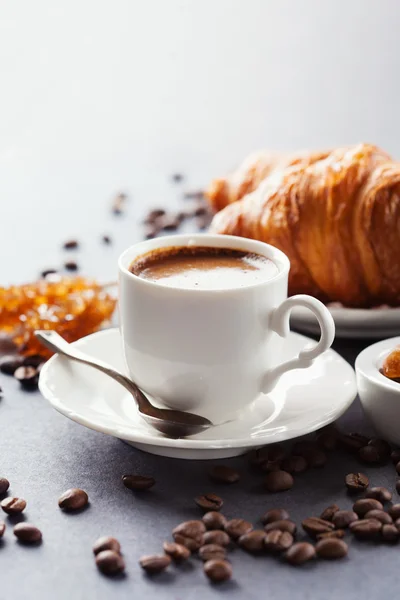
252, 542
235, 528
106, 543
46, 272
221, 538
380, 515
138, 482
364, 505
2, 528
151, 232
336, 533
110, 562
317, 458
275, 514
379, 493
154, 215
222, 474
9, 364
118, 204
394, 511
390, 533
192, 544
383, 447
331, 548
257, 457
397, 523
168, 223
294, 464
304, 447
214, 520
314, 525
300, 553
270, 465
70, 244
395, 456
203, 222
282, 525
28, 534
212, 551
27, 377
398, 486
217, 570
71, 265
106, 239
13, 506
353, 442
343, 518
73, 499
209, 502
370, 455
328, 513
194, 194
155, 563
189, 534
356, 482
4, 485
176, 551
366, 529
277, 540
327, 440
398, 468
276, 452
278, 481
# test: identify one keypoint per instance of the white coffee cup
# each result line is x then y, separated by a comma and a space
211, 351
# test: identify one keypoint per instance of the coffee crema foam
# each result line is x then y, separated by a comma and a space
203, 267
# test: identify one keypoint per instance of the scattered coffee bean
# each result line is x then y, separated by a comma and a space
328, 513
70, 244
331, 548
276, 452
222, 474
300, 553
366, 529
398, 468
275, 514
314, 526
189, 534
138, 482
278, 481
44, 274
154, 215
106, 543
252, 542
177, 552
214, 520
71, 265
221, 538
235, 528
194, 194
118, 204
13, 506
370, 455
353, 442
4, 485
336, 533
282, 525
155, 563
327, 440
397, 523
294, 464
110, 562
27, 377
106, 239
277, 540
177, 177
390, 533
379, 493
2, 528
168, 223
210, 502
257, 457
270, 465
317, 458
192, 544
380, 515
217, 570
356, 482
383, 447
395, 456
343, 518
398, 486
28, 534
304, 447
364, 505
9, 364
151, 232
73, 499
212, 551
394, 511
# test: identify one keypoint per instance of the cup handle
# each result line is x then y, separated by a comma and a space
279, 322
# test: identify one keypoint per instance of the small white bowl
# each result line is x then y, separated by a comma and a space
380, 397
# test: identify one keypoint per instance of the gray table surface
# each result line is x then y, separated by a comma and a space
99, 97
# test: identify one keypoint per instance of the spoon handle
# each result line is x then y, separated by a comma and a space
56, 343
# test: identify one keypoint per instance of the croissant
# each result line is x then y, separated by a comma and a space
338, 221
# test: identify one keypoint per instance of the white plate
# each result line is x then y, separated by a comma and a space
370, 323
303, 401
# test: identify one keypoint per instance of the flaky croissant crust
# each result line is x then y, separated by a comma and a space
338, 220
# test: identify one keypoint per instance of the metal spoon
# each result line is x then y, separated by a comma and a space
173, 423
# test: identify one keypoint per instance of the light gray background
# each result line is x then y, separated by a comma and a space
98, 97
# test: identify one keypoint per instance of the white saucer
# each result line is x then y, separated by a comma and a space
357, 323
303, 401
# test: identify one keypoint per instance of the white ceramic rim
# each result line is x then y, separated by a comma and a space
369, 360
131, 434
204, 239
